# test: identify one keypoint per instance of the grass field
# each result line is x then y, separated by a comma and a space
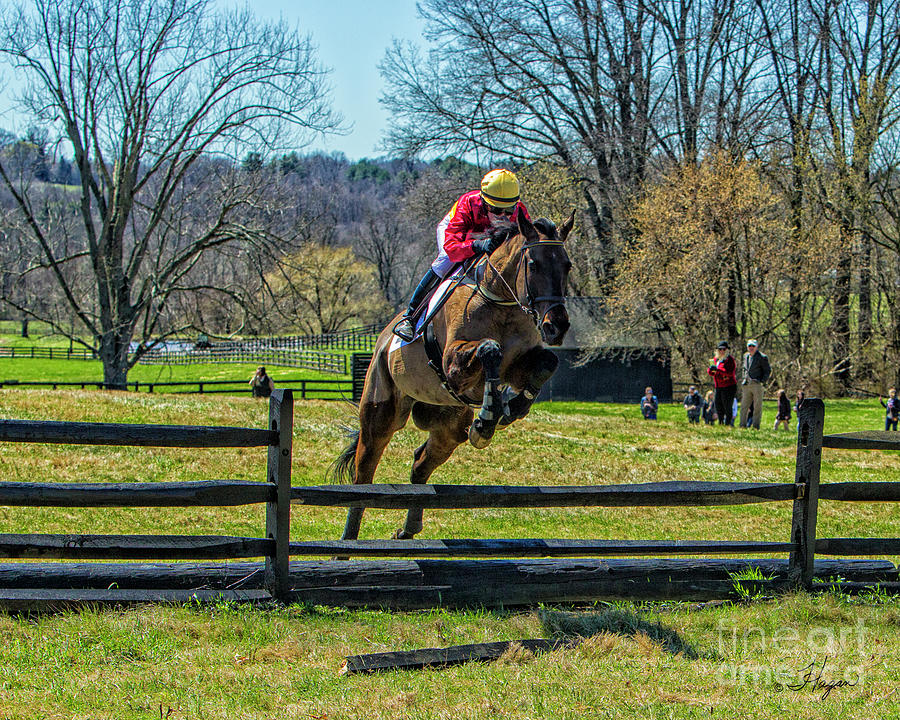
637, 661
42, 370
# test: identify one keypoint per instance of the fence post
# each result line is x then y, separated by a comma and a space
278, 513
810, 424
359, 368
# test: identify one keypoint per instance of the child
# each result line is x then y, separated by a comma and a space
784, 411
893, 410
693, 404
709, 409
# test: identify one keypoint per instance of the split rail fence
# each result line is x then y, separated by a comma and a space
419, 573
47, 353
305, 388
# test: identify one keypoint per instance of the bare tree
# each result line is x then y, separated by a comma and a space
139, 91
793, 53
563, 79
858, 77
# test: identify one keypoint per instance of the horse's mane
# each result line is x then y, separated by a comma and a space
500, 231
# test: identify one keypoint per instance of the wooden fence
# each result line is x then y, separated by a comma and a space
493, 572
306, 359
47, 353
304, 351
305, 388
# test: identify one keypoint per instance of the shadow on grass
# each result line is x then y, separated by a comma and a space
626, 623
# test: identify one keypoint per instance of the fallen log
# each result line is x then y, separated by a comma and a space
442, 657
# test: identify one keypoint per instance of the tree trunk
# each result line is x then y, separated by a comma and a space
114, 356
840, 320
795, 311
731, 330
865, 289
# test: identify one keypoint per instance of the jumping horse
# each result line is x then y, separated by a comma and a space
489, 333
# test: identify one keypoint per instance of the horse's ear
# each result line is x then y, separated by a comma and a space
567, 227
527, 229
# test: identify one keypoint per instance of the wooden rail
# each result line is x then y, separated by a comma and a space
206, 493
84, 433
504, 496
133, 547
536, 547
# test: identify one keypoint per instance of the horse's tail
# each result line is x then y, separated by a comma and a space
343, 468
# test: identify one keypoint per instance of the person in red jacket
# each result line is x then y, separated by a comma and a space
722, 370
472, 214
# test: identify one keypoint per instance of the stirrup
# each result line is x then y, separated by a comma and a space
404, 329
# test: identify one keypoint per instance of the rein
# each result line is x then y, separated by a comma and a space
528, 309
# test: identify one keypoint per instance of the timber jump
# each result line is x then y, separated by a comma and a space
413, 574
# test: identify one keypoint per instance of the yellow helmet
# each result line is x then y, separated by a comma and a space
500, 188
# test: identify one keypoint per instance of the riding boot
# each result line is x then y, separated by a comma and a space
405, 329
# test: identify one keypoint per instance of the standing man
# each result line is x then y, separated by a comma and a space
756, 374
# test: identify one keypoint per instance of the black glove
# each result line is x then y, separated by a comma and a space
485, 245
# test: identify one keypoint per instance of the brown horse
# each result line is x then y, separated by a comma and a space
489, 331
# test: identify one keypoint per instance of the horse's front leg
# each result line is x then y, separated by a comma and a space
467, 361
529, 372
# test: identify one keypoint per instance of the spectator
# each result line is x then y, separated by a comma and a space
801, 396
722, 370
756, 374
892, 407
784, 411
693, 404
709, 409
261, 384
649, 404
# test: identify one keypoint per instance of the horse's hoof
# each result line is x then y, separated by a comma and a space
476, 439
401, 534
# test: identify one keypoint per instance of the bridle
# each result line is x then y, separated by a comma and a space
529, 307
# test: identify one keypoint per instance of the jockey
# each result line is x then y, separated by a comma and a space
473, 213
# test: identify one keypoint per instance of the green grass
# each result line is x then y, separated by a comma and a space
638, 660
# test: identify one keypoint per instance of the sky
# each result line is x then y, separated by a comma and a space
352, 36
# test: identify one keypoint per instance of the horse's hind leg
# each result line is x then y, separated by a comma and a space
378, 423
448, 428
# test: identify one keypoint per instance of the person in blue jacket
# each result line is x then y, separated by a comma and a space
649, 404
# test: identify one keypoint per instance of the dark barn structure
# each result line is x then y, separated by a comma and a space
618, 375
610, 373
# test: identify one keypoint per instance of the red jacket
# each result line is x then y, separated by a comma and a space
722, 372
468, 217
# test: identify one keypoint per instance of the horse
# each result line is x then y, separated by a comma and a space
490, 331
